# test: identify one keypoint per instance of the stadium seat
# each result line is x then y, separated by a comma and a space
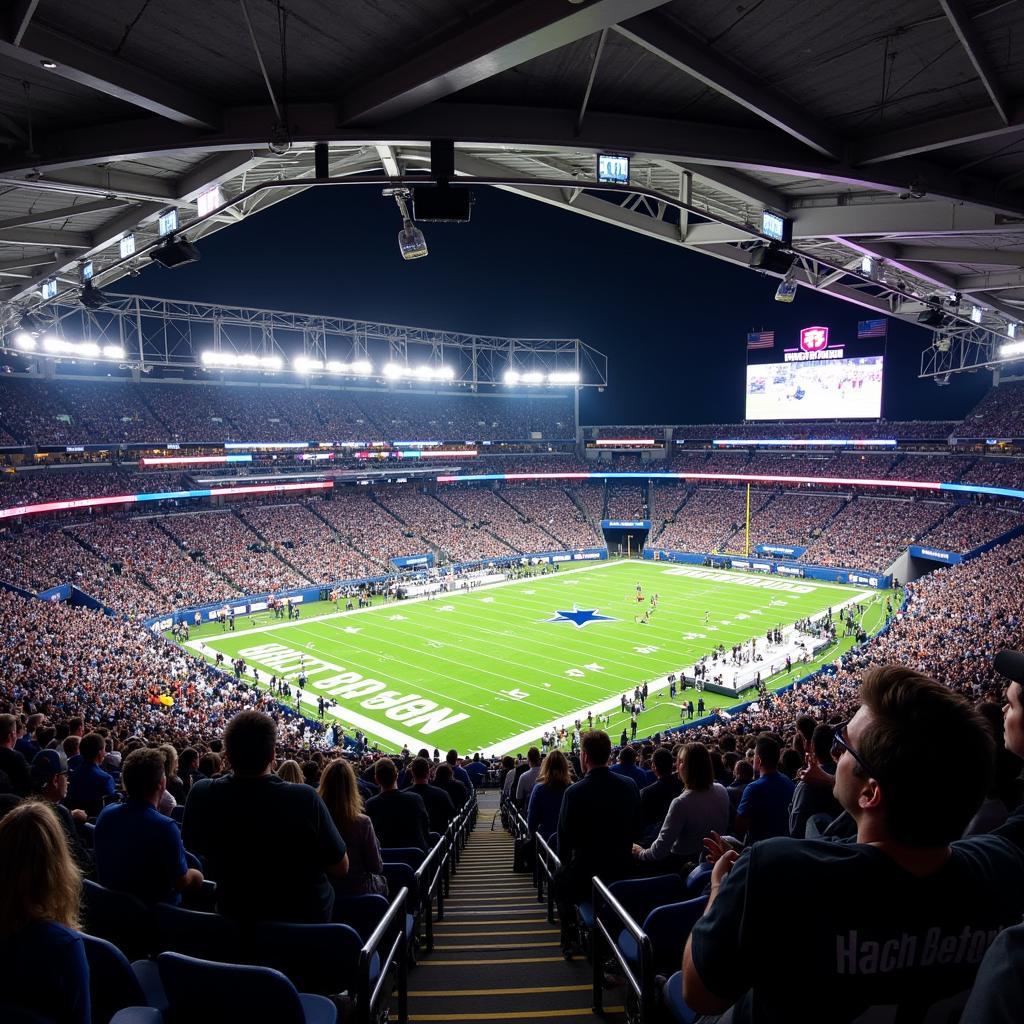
197, 933
362, 913
119, 918
401, 876
322, 958
403, 855
113, 984
678, 1011
668, 928
204, 992
699, 878
137, 1015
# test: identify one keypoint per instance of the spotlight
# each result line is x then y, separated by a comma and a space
113, 352
564, 377
867, 266
931, 317
943, 344
92, 297
175, 253
411, 243
786, 292
1015, 348
304, 364
976, 314
25, 341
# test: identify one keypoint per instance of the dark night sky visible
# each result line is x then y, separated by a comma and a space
673, 323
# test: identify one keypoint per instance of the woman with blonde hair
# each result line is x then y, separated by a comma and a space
545, 800
340, 792
290, 771
42, 958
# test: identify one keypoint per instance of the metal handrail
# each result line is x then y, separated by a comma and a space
546, 865
641, 981
390, 931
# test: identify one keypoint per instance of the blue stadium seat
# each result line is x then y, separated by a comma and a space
668, 927
410, 855
322, 958
113, 984
639, 896
203, 992
137, 1015
119, 918
196, 933
362, 913
678, 1011
401, 876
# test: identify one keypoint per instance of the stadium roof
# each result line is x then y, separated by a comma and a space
894, 131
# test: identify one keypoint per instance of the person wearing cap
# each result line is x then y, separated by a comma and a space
900, 917
137, 849
50, 782
998, 993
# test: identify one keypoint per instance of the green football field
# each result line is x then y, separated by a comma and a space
492, 669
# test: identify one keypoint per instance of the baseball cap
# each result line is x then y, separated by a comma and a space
1010, 664
46, 766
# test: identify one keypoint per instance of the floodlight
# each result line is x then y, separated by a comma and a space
1012, 348
444, 373
25, 341
303, 364
392, 370
975, 314
511, 377
867, 266
564, 377
86, 348
249, 359
113, 352
532, 377
53, 345
363, 367
271, 362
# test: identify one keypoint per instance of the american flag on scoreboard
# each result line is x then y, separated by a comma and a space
760, 339
872, 328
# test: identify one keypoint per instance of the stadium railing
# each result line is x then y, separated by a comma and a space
642, 951
547, 865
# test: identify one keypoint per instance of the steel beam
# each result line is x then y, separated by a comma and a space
742, 186
215, 170
87, 66
965, 31
970, 283
941, 133
514, 36
665, 39
43, 236
97, 181
18, 17
945, 254
64, 213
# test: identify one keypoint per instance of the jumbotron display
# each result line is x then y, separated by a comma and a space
816, 389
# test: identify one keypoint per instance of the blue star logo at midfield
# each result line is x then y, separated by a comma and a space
579, 618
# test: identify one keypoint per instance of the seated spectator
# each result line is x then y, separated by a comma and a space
90, 786
998, 995
458, 772
545, 800
629, 769
763, 809
456, 790
810, 799
399, 816
290, 771
50, 782
12, 762
911, 907
137, 848
477, 771
599, 816
701, 808
655, 798
743, 775
440, 809
175, 785
526, 781
43, 969
247, 824
1005, 792
343, 800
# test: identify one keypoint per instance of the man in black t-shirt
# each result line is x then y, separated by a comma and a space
240, 823
399, 816
900, 917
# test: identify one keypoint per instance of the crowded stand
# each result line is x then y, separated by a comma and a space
41, 485
791, 519
484, 509
297, 535
943, 468
589, 497
709, 517
969, 526
996, 471
554, 511
368, 527
625, 501
870, 532
999, 414
140, 547
665, 500
231, 548
803, 430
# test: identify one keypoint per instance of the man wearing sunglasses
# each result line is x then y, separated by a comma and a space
902, 915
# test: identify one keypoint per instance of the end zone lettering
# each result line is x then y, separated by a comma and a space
425, 715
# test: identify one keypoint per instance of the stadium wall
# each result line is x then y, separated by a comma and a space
858, 577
